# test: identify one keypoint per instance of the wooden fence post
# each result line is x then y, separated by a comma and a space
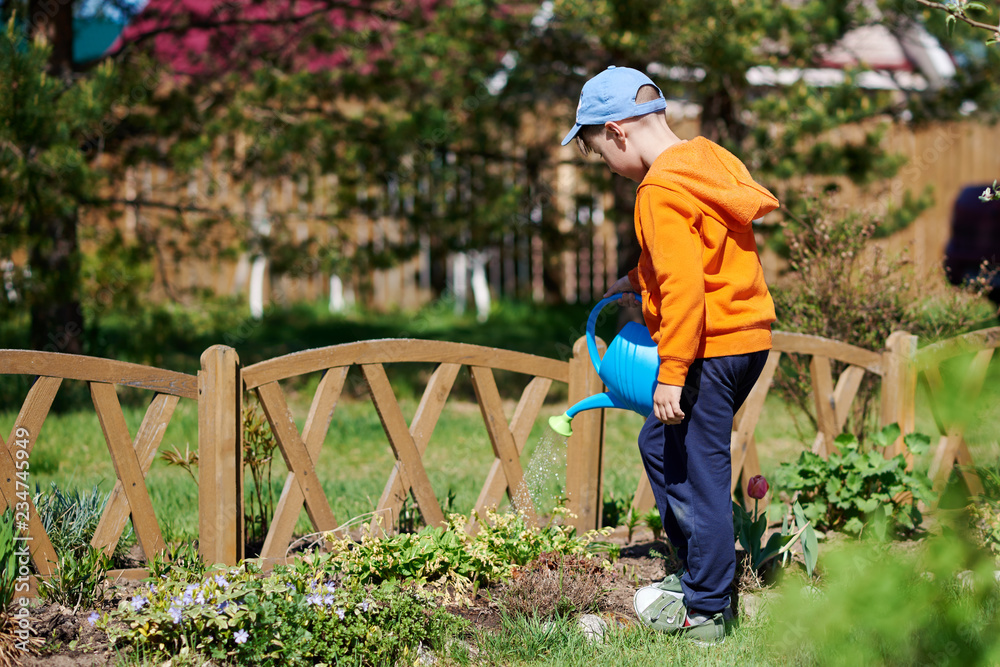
899, 386
220, 456
585, 448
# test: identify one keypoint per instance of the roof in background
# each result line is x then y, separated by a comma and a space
92, 37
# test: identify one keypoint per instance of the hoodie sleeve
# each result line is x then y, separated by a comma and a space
669, 231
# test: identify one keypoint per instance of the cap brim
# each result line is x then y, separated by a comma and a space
572, 133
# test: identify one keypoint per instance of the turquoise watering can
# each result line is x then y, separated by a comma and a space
629, 370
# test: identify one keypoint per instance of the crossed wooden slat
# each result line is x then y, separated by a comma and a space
299, 459
317, 424
147, 441
408, 443
832, 413
31, 417
130, 471
952, 448
424, 421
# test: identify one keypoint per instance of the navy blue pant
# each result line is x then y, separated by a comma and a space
690, 470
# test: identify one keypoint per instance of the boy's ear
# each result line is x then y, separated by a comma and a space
615, 129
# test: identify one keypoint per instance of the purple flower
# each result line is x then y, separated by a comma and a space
340, 614
314, 599
188, 597
222, 606
328, 600
200, 598
757, 487
365, 605
175, 614
241, 636
138, 602
221, 581
93, 617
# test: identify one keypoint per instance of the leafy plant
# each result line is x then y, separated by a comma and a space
936, 604
452, 556
842, 492
653, 521
301, 614
78, 578
187, 461
259, 444
71, 518
616, 511
181, 561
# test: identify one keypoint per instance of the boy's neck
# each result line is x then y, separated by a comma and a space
652, 140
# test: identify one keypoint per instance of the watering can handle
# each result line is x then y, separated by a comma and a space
592, 322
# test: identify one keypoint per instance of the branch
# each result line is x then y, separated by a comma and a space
960, 15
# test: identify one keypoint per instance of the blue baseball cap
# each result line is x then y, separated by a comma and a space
611, 96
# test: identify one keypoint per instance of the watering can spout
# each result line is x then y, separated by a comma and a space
561, 424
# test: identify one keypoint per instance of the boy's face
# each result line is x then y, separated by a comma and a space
620, 154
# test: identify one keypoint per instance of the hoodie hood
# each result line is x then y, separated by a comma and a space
714, 180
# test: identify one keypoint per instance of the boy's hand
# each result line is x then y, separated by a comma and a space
623, 286
667, 403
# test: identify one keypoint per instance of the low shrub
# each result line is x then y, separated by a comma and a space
78, 578
845, 490
839, 285
452, 556
555, 585
305, 614
877, 605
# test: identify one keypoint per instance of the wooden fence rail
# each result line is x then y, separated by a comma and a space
221, 382
131, 457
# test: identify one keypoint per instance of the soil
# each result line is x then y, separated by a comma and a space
66, 638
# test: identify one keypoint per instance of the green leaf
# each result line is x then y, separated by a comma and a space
810, 549
888, 435
846, 441
770, 550
866, 505
918, 443
854, 526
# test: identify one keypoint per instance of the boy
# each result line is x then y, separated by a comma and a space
709, 311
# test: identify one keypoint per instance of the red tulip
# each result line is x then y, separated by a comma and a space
757, 487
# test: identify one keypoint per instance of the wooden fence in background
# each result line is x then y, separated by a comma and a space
220, 385
523, 264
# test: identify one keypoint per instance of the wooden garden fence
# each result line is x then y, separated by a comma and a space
219, 386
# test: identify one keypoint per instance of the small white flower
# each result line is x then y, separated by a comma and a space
241, 636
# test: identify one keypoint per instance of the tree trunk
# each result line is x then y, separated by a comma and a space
56, 316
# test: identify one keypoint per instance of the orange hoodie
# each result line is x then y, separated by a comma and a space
702, 285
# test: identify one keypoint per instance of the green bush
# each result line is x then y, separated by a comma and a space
77, 579
883, 606
305, 614
452, 556
840, 286
843, 491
